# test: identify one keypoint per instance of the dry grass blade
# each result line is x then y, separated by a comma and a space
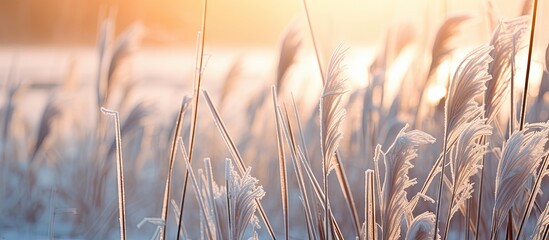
313, 39
370, 225
339, 168
397, 162
138, 113
200, 198
523, 117
443, 44
173, 150
346, 190
119, 172
194, 115
290, 140
520, 159
125, 45
320, 197
422, 227
51, 111
123, 48
235, 154
9, 107
288, 53
282, 163
104, 40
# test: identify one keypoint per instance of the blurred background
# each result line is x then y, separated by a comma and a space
230, 23
41, 41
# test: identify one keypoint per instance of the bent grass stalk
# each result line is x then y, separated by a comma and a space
119, 172
236, 155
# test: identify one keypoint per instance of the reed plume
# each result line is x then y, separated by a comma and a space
520, 158
422, 227
397, 162
332, 115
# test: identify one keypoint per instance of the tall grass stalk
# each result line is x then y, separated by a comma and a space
173, 152
340, 172
194, 182
119, 172
282, 164
370, 212
194, 116
528, 64
541, 173
332, 115
290, 138
313, 39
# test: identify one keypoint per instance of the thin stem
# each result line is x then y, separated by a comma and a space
165, 205
346, 190
326, 210
314, 41
194, 113
481, 182
119, 171
440, 186
530, 48
370, 213
446, 228
532, 196
282, 164
228, 195
467, 218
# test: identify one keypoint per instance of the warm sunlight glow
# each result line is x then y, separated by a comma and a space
396, 72
536, 73
435, 93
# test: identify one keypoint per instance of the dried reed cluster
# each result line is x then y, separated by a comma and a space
469, 165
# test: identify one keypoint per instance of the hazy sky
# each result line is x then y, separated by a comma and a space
230, 22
